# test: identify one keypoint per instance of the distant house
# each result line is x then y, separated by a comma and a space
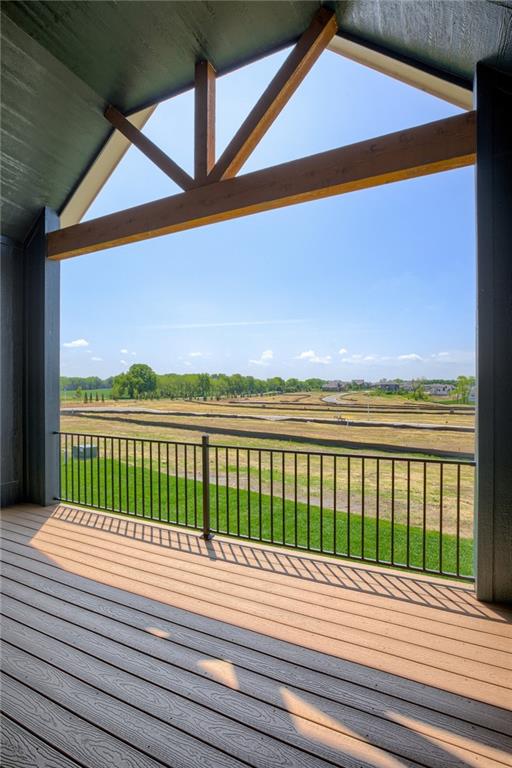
357, 382
439, 390
334, 386
408, 386
388, 386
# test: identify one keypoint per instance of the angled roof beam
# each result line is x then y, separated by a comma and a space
146, 146
439, 146
204, 118
280, 90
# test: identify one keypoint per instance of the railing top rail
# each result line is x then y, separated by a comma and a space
290, 451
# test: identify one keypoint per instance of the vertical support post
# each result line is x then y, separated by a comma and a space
494, 334
205, 473
11, 372
41, 365
204, 150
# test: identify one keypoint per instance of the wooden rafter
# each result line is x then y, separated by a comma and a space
204, 144
277, 94
154, 153
438, 146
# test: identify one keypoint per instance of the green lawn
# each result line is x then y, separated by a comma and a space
118, 486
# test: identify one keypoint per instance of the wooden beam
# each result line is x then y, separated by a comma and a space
277, 94
439, 146
204, 150
146, 146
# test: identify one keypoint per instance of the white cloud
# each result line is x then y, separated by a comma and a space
97, 359
123, 362
312, 357
369, 358
342, 351
123, 351
264, 359
76, 344
357, 357
195, 354
411, 356
133, 354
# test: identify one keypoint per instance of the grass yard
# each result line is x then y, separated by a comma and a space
153, 494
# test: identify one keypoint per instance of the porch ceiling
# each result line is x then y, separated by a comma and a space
62, 62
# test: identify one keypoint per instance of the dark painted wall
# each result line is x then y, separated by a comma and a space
11, 372
30, 317
494, 366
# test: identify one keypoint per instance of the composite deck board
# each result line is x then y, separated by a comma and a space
483, 681
473, 644
21, 748
162, 649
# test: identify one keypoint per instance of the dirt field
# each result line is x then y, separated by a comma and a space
303, 418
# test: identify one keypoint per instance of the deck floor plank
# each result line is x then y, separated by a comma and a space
175, 651
20, 748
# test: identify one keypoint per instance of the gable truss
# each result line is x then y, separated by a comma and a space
216, 194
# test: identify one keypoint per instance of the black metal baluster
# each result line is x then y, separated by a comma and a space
72, 469
185, 467
363, 481
227, 492
78, 471
112, 470
119, 474
85, 469
424, 514
167, 482
392, 510
335, 505
238, 491
217, 487
348, 506
260, 494
321, 503
308, 513
458, 520
135, 478
176, 482
283, 493
408, 513
272, 496
143, 478
295, 494
127, 477
151, 479
377, 512
194, 452
159, 481
249, 520
98, 471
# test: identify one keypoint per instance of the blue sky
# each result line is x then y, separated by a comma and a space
377, 283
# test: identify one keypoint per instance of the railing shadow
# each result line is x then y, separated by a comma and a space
374, 580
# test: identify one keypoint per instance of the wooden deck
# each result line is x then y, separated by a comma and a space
131, 644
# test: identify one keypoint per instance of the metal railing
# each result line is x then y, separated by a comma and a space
413, 513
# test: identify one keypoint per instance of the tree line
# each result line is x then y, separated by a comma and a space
141, 382
72, 383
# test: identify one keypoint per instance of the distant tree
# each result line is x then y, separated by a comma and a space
78, 394
97, 397
418, 392
85, 398
102, 397
463, 387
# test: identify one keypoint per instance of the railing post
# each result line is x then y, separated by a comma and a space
205, 473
